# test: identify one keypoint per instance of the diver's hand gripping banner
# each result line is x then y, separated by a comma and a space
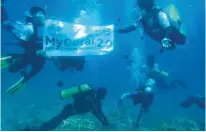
64, 39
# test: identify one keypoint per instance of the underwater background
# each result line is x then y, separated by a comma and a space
39, 100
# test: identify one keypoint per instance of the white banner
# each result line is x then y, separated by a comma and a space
65, 39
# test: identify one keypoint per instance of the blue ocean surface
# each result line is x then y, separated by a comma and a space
39, 100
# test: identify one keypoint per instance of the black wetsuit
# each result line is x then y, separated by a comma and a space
83, 103
152, 27
29, 57
157, 32
145, 99
142, 98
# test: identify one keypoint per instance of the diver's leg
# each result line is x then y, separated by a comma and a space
188, 102
17, 64
67, 111
200, 102
37, 65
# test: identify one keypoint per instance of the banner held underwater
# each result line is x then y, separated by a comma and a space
65, 39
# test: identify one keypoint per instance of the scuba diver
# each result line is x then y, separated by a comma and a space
160, 76
151, 70
161, 27
198, 100
144, 96
27, 34
86, 98
33, 54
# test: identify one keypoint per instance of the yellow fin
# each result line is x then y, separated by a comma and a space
5, 62
16, 87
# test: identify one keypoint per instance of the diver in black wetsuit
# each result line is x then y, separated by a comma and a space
198, 100
144, 96
27, 34
88, 99
31, 42
157, 24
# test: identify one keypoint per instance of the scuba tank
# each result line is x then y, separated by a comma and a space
68, 93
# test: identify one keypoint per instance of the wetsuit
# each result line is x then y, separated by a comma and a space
83, 103
29, 57
158, 26
145, 99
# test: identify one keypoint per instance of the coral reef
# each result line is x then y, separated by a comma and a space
83, 122
180, 124
88, 122
119, 120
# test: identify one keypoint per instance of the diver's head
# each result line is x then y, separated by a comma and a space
36, 16
148, 90
101, 92
150, 61
146, 4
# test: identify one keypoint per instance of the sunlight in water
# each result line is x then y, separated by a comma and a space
89, 13
80, 31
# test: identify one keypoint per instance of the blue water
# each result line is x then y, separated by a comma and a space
39, 100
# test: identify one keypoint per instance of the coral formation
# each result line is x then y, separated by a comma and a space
118, 120
180, 124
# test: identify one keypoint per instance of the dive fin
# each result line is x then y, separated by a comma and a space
17, 86
5, 61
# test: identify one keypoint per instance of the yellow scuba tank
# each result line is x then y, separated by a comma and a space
173, 13
68, 93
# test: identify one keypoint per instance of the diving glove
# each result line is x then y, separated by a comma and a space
16, 87
5, 61
167, 43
